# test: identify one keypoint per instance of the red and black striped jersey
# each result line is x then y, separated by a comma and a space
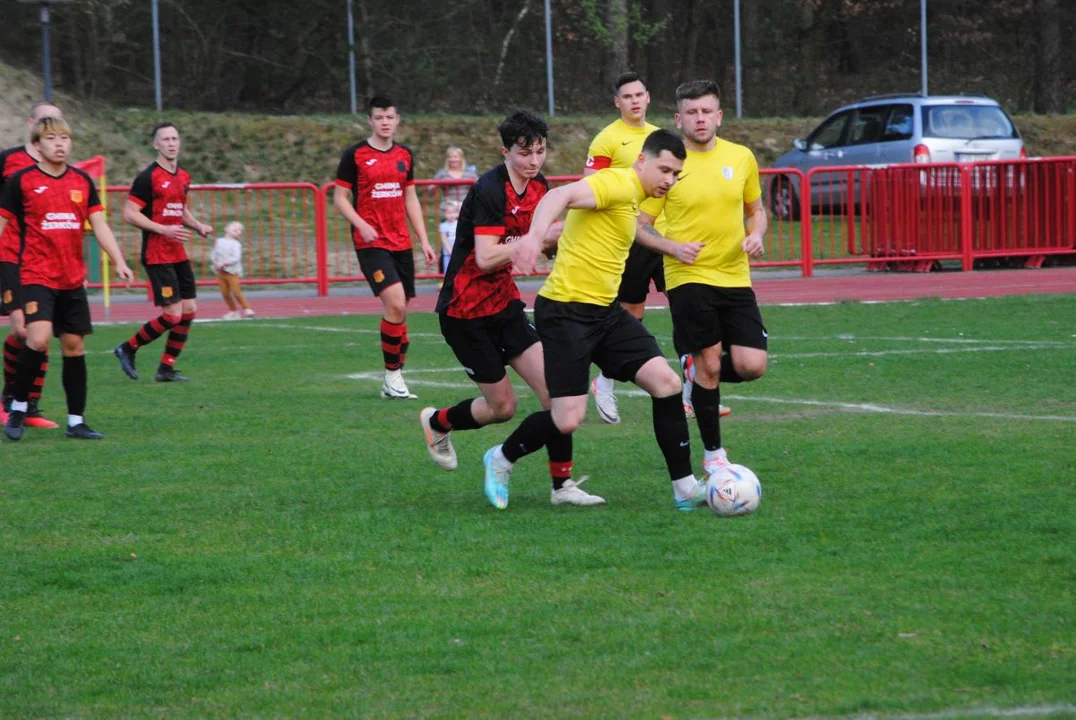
492, 207
51, 212
377, 180
11, 161
162, 197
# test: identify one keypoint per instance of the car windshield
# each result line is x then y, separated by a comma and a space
966, 122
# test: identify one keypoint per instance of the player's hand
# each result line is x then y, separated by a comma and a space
752, 245
525, 257
367, 233
177, 233
431, 256
125, 273
204, 230
687, 252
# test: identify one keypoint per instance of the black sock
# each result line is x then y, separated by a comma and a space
75, 384
728, 371
707, 404
531, 435
457, 417
559, 447
670, 429
26, 369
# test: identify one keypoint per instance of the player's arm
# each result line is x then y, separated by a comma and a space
648, 236
413, 208
599, 155
574, 196
132, 215
107, 241
192, 222
756, 222
342, 203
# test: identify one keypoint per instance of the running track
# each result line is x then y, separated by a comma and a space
863, 287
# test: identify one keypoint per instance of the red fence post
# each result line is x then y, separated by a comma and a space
967, 260
806, 238
321, 240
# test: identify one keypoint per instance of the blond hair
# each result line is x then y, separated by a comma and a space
48, 125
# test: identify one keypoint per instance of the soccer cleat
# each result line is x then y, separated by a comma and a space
170, 375
395, 387
571, 494
126, 357
696, 499
35, 419
248, 313
709, 467
722, 410
605, 401
13, 426
496, 482
82, 431
437, 443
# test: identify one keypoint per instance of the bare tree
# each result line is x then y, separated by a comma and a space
1048, 72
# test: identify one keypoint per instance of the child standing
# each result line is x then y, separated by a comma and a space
227, 260
450, 212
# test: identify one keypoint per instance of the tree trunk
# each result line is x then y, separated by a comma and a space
691, 43
809, 34
504, 48
1047, 86
364, 50
616, 24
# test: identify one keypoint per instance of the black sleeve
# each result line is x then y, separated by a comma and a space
488, 209
11, 199
347, 172
142, 188
94, 200
411, 167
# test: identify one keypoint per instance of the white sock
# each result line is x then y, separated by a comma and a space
605, 384
500, 459
711, 455
19, 406
683, 487
73, 420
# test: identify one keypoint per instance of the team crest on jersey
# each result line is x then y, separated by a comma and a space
401, 166
379, 276
76, 196
31, 308
167, 292
727, 172
8, 297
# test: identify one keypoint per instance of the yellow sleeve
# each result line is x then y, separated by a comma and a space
653, 206
752, 187
610, 187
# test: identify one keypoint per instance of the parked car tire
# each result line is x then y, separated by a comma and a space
784, 202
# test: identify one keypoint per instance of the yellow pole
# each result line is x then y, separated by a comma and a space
106, 276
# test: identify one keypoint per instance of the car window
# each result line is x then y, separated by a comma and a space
829, 133
899, 125
966, 122
867, 125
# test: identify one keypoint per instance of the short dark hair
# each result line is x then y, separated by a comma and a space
696, 89
380, 102
627, 77
660, 140
522, 128
161, 126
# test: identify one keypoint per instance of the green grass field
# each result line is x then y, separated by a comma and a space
272, 541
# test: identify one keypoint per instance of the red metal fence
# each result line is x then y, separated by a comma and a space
891, 217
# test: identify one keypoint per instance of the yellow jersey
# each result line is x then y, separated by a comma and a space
595, 243
707, 205
618, 145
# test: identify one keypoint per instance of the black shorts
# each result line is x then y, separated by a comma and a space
705, 315
67, 310
10, 288
384, 268
485, 345
172, 282
642, 266
574, 335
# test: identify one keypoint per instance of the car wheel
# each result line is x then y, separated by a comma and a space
784, 203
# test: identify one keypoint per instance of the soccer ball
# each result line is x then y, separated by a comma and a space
733, 490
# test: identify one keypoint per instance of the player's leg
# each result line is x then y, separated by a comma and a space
745, 355
224, 282
39, 303
382, 273
634, 287
164, 285
180, 332
71, 323
13, 345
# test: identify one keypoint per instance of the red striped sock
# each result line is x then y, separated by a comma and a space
392, 335
152, 330
12, 346
177, 338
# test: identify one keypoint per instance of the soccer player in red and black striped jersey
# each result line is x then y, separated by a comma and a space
481, 313
11, 161
375, 192
51, 202
157, 205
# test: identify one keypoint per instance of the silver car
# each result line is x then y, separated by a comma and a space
893, 129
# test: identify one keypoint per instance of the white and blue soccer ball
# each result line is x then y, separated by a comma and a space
733, 490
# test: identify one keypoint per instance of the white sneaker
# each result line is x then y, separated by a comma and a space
395, 387
248, 313
437, 443
570, 494
232, 315
605, 401
709, 467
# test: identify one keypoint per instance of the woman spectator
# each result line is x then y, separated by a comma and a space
456, 168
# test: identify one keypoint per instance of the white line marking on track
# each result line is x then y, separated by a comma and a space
974, 712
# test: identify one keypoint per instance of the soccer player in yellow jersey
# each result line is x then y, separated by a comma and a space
618, 146
716, 202
579, 320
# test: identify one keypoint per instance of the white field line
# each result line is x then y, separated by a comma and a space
865, 408
973, 712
